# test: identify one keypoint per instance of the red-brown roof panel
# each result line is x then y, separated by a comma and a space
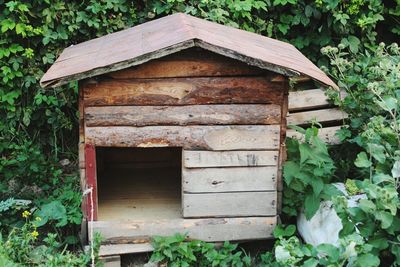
171, 34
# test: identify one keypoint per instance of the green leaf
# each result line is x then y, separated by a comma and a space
396, 169
385, 218
52, 211
329, 250
367, 205
362, 160
290, 170
354, 43
310, 263
311, 205
377, 152
368, 260
389, 103
317, 185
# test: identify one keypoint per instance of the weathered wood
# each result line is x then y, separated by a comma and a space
308, 99
111, 261
81, 155
188, 63
229, 204
327, 134
121, 249
182, 115
279, 202
207, 229
214, 180
183, 91
282, 148
188, 137
91, 182
200, 159
321, 116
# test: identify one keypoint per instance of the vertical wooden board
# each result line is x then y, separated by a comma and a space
200, 159
91, 182
201, 180
229, 204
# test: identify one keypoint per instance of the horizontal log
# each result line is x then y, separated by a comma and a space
182, 115
190, 64
189, 137
183, 91
207, 229
213, 180
321, 116
199, 159
229, 204
327, 134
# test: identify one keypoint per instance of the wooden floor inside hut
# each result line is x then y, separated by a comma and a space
139, 184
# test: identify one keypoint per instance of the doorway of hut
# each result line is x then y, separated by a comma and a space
138, 183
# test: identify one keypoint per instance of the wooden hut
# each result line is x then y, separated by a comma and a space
182, 129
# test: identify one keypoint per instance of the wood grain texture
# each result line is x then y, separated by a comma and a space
91, 182
308, 99
201, 159
229, 204
182, 115
207, 229
327, 134
121, 249
213, 180
189, 63
188, 137
182, 91
321, 116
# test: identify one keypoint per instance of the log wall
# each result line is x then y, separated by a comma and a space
226, 116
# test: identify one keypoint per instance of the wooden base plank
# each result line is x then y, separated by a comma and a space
111, 261
207, 229
321, 116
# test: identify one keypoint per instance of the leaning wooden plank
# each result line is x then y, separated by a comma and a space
229, 204
182, 115
201, 159
189, 137
327, 134
308, 99
213, 180
207, 229
187, 64
121, 249
182, 91
321, 116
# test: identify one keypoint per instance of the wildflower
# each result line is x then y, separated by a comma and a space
26, 214
35, 234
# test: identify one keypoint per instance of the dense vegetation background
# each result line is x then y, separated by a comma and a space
38, 128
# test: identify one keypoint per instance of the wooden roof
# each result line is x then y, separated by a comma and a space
170, 34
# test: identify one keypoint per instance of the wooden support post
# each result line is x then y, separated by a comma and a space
91, 181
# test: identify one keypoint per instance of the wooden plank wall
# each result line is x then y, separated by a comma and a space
306, 106
224, 114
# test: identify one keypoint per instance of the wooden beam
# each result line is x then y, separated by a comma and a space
182, 115
183, 91
91, 181
207, 229
188, 137
189, 63
201, 159
321, 116
213, 180
229, 204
